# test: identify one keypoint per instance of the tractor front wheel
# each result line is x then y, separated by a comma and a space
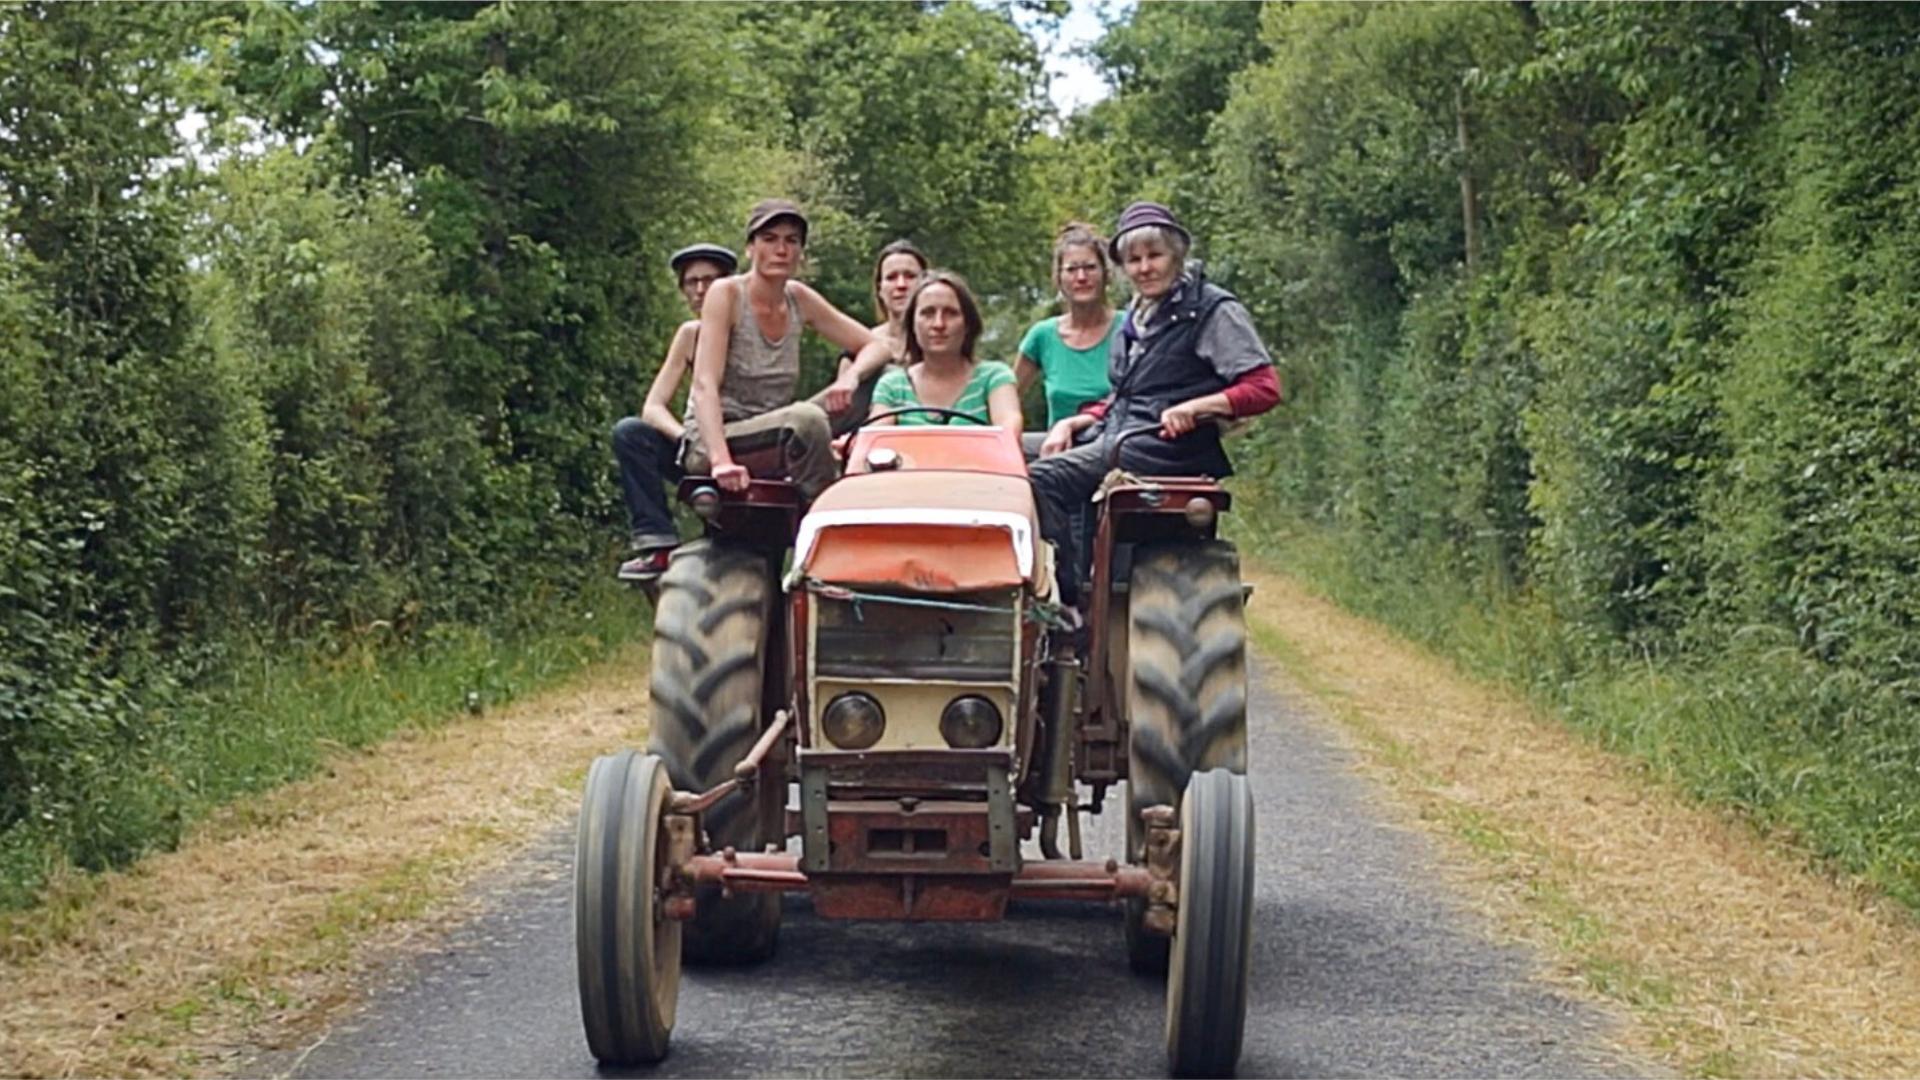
1213, 935
626, 951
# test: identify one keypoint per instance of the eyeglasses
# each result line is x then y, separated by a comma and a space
696, 282
1071, 269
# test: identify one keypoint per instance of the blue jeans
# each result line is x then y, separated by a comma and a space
1062, 487
648, 459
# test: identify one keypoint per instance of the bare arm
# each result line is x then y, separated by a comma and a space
1025, 371
1003, 407
836, 326
871, 359
1179, 419
1060, 436
709, 368
829, 321
881, 337
658, 411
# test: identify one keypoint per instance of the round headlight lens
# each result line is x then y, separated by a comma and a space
970, 723
853, 721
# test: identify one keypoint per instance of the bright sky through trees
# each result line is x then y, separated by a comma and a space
1072, 80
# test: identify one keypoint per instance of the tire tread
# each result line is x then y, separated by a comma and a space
710, 629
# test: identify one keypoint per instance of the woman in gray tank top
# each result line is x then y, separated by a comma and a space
741, 413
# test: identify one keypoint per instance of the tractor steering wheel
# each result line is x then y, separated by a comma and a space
950, 414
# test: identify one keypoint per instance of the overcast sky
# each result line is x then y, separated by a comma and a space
1072, 79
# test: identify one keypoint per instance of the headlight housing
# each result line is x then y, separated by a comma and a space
853, 721
970, 722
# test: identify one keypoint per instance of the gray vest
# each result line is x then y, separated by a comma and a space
760, 374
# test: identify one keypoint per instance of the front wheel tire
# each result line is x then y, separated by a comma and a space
627, 952
1213, 937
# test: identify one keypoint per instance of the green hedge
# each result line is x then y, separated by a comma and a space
1653, 453
334, 376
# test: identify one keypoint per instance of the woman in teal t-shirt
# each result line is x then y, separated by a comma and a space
1069, 352
942, 324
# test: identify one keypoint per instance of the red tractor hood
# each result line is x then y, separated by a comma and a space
929, 530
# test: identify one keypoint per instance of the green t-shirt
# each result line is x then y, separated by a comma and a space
1072, 376
895, 391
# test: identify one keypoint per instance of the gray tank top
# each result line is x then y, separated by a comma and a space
761, 373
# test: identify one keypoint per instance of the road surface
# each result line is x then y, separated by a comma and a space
1364, 965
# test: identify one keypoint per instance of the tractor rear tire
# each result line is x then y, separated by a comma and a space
709, 633
1187, 670
1213, 937
626, 951
1186, 688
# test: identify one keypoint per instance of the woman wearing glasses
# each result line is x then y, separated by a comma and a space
1069, 352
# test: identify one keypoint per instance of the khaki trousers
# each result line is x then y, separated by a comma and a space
794, 442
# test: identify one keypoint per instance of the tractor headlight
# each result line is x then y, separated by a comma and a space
970, 723
853, 721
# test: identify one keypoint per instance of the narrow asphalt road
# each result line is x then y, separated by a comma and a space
1363, 966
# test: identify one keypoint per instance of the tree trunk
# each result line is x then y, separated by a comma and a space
1469, 200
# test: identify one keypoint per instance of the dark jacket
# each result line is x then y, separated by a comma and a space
1159, 369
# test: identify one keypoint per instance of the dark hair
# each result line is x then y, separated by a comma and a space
1080, 234
901, 246
969, 311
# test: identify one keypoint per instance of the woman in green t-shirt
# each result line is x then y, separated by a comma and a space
942, 324
1069, 352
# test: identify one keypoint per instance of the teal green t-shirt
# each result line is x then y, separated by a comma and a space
895, 391
1073, 377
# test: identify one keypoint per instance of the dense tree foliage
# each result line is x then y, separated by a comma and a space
343, 351
1600, 314
1602, 310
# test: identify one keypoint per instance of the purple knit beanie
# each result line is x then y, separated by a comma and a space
1142, 214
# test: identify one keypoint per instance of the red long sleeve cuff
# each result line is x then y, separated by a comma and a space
1096, 409
1255, 392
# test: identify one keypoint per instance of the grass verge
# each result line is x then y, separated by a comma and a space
251, 935
1734, 951
1817, 758
270, 718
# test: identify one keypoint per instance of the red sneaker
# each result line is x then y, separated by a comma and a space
647, 565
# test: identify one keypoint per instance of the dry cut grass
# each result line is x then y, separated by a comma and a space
249, 936
1734, 954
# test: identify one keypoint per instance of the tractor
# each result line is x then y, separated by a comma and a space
886, 676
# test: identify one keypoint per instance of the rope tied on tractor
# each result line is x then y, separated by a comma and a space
856, 598
1051, 615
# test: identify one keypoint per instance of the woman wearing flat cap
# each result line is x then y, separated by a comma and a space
742, 411
1186, 355
648, 446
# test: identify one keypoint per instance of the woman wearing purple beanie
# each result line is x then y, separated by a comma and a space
1187, 354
